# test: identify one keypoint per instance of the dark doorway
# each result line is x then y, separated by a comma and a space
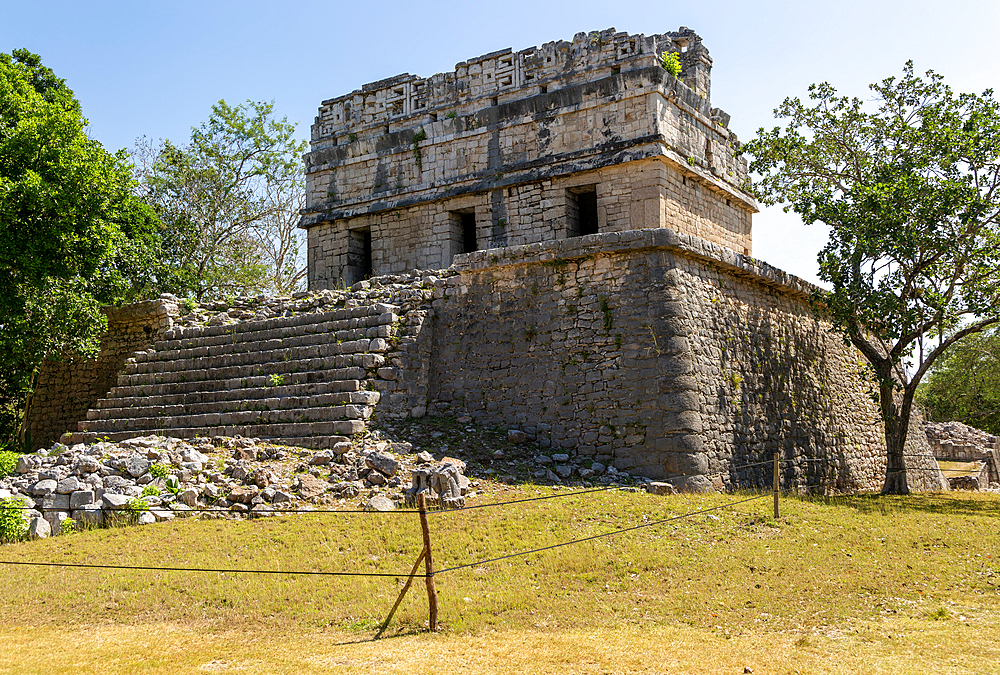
469, 243
587, 204
581, 211
461, 235
359, 255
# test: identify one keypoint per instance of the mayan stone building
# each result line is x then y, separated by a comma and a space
511, 148
555, 240
594, 209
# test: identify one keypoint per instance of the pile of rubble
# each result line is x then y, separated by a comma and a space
407, 291
967, 455
151, 479
956, 433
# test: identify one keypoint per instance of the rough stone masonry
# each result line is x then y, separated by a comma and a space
599, 296
616, 310
551, 142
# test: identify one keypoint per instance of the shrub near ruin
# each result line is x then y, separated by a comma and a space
13, 527
8, 460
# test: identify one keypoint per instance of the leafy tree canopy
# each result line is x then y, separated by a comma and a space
964, 384
911, 191
73, 236
229, 203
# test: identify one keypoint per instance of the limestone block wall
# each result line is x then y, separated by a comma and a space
403, 381
609, 120
641, 194
69, 387
668, 355
505, 76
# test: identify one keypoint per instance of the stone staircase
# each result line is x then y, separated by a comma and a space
306, 380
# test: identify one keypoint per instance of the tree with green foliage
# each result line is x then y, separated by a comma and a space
229, 203
73, 235
964, 384
911, 192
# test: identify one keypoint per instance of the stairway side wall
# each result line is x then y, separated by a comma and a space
403, 381
68, 387
673, 357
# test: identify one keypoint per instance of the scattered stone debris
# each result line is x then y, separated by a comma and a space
156, 479
407, 291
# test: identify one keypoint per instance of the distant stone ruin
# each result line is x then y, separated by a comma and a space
957, 442
555, 240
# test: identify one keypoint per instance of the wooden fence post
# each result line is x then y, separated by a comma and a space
428, 562
775, 485
406, 587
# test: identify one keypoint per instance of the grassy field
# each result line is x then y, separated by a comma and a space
836, 585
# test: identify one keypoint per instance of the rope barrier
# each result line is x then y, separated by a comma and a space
206, 510
201, 569
527, 499
599, 536
748, 466
387, 574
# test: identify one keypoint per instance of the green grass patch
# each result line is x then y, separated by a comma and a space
827, 562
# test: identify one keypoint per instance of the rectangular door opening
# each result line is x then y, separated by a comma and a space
359, 255
581, 211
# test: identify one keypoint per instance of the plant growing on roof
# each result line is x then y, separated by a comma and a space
671, 63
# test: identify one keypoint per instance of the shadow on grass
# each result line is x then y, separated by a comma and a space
388, 635
943, 503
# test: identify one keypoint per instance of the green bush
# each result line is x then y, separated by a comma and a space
13, 526
159, 471
128, 515
671, 62
150, 491
8, 460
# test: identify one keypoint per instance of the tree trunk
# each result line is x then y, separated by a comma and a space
895, 465
23, 436
896, 416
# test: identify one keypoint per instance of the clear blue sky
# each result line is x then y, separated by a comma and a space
154, 69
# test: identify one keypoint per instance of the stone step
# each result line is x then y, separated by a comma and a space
280, 327
364, 399
260, 375
350, 353
167, 426
321, 382
346, 344
316, 442
163, 420
294, 379
237, 397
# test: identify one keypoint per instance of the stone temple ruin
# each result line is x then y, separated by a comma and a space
556, 240
546, 144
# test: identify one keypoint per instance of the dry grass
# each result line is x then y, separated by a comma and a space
897, 646
839, 585
955, 468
